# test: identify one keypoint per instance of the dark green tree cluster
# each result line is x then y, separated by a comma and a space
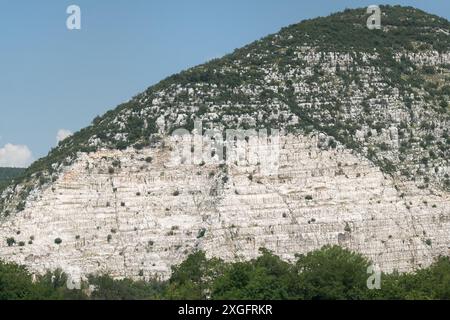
7, 174
331, 273
16, 283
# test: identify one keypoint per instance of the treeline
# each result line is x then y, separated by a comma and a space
331, 273
7, 174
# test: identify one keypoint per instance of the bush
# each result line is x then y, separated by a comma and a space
10, 242
16, 283
347, 228
431, 283
193, 278
109, 289
201, 233
264, 278
331, 273
116, 163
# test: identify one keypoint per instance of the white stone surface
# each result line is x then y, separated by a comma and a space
153, 213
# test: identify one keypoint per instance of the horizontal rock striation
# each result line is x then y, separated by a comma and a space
132, 214
365, 164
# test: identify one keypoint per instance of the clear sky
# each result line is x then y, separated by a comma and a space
52, 78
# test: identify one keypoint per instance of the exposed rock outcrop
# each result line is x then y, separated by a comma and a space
117, 212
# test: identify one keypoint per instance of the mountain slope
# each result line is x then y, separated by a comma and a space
9, 173
367, 118
383, 93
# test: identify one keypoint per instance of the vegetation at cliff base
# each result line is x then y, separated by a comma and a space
331, 273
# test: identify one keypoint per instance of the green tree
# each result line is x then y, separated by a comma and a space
15, 282
432, 283
332, 273
107, 288
192, 279
54, 286
264, 278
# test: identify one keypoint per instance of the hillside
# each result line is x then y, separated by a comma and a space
363, 159
383, 93
9, 173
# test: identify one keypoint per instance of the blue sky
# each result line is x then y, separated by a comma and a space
52, 78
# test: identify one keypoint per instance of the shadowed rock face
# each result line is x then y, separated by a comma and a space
149, 216
367, 168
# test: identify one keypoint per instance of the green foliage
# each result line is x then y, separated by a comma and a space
347, 228
432, 283
126, 289
7, 174
10, 242
133, 124
54, 286
201, 233
16, 283
331, 273
193, 278
265, 278
332, 33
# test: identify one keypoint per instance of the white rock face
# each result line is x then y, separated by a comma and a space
146, 216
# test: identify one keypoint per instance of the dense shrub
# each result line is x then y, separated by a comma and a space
331, 273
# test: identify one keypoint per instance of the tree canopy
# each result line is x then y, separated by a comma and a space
331, 273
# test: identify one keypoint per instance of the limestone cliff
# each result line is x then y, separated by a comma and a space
144, 217
364, 158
